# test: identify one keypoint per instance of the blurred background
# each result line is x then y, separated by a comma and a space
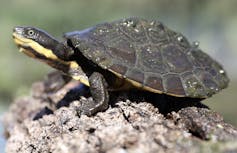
213, 23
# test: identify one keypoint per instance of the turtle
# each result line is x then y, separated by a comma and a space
126, 54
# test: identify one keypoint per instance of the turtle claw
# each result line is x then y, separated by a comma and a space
88, 107
82, 111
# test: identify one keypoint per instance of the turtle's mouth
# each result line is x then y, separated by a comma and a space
23, 44
33, 48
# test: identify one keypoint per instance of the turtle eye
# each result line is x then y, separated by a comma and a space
31, 32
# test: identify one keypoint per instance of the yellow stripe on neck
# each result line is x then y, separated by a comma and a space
35, 46
48, 54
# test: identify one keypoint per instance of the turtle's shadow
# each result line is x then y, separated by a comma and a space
163, 102
74, 94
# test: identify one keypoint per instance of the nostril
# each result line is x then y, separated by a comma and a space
18, 30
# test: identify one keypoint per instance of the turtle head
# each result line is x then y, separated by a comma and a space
38, 44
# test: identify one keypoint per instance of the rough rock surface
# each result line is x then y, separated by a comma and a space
34, 125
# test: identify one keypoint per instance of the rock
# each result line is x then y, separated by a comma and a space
34, 124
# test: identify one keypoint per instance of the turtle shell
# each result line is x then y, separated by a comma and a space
151, 56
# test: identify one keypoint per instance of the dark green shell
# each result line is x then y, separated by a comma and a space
153, 56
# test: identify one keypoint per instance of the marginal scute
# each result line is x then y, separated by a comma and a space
135, 74
221, 77
154, 82
173, 85
118, 69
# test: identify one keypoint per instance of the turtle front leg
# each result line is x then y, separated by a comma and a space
99, 93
